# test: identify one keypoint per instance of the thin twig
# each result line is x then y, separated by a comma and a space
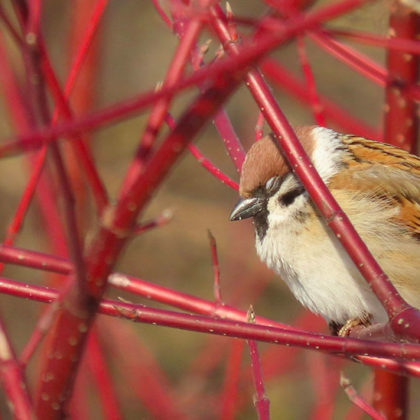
259, 126
229, 392
261, 401
316, 106
287, 81
164, 218
216, 268
356, 399
12, 380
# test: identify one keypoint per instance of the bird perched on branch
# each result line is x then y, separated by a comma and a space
377, 185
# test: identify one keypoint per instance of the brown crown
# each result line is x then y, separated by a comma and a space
264, 160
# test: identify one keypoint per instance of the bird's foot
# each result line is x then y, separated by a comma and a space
353, 324
344, 330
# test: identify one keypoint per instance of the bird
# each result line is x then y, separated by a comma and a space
376, 184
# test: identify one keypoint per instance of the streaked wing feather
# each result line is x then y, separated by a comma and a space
385, 170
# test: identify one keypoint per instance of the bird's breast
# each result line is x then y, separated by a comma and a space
317, 270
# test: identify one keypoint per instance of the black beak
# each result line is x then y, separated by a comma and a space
246, 207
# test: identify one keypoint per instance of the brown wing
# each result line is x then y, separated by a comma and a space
385, 171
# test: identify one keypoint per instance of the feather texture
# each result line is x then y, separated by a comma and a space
383, 172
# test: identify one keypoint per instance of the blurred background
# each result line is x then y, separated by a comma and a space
130, 54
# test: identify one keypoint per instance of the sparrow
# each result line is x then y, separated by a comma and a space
378, 187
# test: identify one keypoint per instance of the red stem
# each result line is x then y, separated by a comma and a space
287, 81
316, 106
401, 128
81, 149
223, 327
34, 18
216, 269
181, 300
271, 23
230, 139
262, 403
229, 392
124, 282
259, 126
76, 300
391, 395
24, 120
79, 405
37, 55
13, 381
100, 373
34, 259
221, 121
399, 44
360, 402
162, 14
401, 121
160, 108
13, 32
28, 193
359, 62
202, 160
324, 379
209, 166
84, 51
12, 376
141, 372
159, 221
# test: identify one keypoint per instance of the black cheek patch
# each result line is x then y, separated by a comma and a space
261, 223
288, 198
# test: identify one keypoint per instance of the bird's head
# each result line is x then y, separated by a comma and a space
270, 192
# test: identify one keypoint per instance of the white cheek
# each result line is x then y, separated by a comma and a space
279, 214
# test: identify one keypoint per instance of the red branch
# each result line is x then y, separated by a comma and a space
160, 108
401, 122
158, 221
216, 268
310, 83
357, 400
401, 129
140, 371
100, 372
239, 329
288, 82
13, 381
262, 403
202, 160
229, 394
209, 166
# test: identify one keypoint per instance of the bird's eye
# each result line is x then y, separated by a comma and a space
288, 198
272, 184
